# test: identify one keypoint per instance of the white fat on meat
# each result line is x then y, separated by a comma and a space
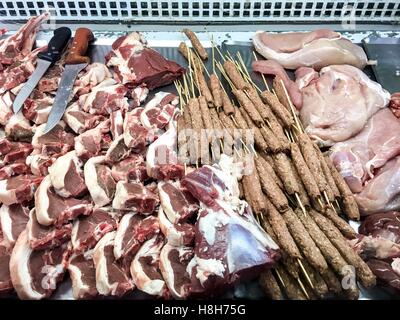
161, 158
18, 128
317, 49
145, 270
35, 274
93, 74
159, 111
111, 279
139, 95
13, 220
206, 268
66, 175
338, 104
173, 266
176, 234
99, 181
117, 123
136, 136
396, 266
83, 275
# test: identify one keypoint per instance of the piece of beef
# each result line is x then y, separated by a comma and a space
158, 112
176, 234
178, 203
18, 189
132, 231
53, 209
134, 196
58, 140
131, 169
136, 136
161, 158
136, 64
118, 150
18, 128
83, 275
106, 97
13, 220
173, 265
37, 109
88, 230
46, 237
92, 142
145, 270
385, 273
111, 279
99, 181
80, 121
66, 176
35, 274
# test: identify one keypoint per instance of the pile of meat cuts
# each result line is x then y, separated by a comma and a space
91, 199
341, 108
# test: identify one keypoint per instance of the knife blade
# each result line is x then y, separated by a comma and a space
74, 63
45, 59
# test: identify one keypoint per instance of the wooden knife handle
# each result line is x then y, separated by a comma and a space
79, 47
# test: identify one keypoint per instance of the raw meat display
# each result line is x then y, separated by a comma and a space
123, 202
316, 49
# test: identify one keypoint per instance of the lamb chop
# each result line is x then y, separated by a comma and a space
20, 44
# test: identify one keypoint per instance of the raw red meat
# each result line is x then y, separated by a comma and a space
136, 64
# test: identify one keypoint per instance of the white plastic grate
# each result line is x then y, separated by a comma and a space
239, 11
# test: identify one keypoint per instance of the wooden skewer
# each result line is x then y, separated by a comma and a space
303, 288
262, 75
305, 273
296, 119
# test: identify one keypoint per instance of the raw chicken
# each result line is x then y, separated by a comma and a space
357, 158
317, 49
382, 193
338, 104
272, 67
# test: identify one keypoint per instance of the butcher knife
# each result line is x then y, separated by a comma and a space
75, 62
45, 59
